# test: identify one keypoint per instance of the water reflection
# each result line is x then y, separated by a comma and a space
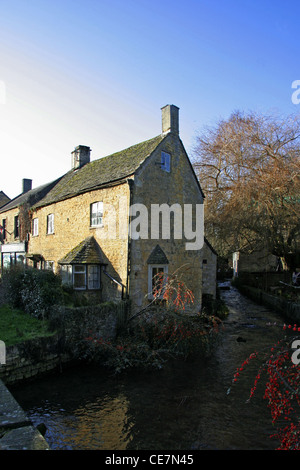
185, 406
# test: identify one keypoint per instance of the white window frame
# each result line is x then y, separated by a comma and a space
166, 162
67, 274
96, 214
77, 271
93, 276
151, 276
50, 224
35, 227
49, 265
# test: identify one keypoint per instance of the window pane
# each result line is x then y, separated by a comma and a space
96, 213
79, 276
35, 227
79, 268
50, 223
94, 277
165, 161
155, 278
66, 274
79, 281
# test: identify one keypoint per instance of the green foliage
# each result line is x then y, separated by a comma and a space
215, 306
33, 291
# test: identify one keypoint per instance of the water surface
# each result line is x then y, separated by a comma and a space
185, 406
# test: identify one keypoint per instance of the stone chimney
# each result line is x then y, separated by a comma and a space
170, 119
26, 185
80, 156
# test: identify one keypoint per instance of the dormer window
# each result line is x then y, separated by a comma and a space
166, 162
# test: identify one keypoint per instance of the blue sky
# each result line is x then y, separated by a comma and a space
97, 72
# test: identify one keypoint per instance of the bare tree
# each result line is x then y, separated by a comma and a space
249, 169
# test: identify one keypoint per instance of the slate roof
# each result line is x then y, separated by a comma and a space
87, 252
31, 197
157, 256
97, 173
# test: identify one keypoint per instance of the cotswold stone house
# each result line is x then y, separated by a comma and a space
109, 225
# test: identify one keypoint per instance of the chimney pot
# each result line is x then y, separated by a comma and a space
26, 185
80, 156
170, 119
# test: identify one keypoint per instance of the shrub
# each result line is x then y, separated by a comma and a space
33, 291
153, 340
281, 390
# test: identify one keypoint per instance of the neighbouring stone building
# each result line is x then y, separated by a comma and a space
109, 225
259, 260
4, 199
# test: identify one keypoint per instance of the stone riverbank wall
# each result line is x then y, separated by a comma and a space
290, 310
16, 430
32, 358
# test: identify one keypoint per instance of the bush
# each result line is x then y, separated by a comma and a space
153, 340
33, 291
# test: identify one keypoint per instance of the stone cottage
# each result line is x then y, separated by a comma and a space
109, 225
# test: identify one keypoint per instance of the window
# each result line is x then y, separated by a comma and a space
50, 223
49, 265
35, 227
96, 214
16, 226
79, 276
2, 230
66, 274
153, 271
93, 276
166, 161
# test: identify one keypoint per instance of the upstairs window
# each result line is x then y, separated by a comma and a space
3, 230
50, 223
96, 218
165, 162
35, 227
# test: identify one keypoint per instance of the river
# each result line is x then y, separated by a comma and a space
184, 406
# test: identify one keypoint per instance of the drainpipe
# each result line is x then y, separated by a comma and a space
130, 184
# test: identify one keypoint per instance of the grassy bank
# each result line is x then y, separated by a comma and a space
17, 326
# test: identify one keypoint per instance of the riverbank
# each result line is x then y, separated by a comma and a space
290, 310
16, 429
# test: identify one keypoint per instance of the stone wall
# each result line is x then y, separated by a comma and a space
152, 186
32, 358
290, 310
40, 356
72, 226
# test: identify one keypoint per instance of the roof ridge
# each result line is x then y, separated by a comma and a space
102, 171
